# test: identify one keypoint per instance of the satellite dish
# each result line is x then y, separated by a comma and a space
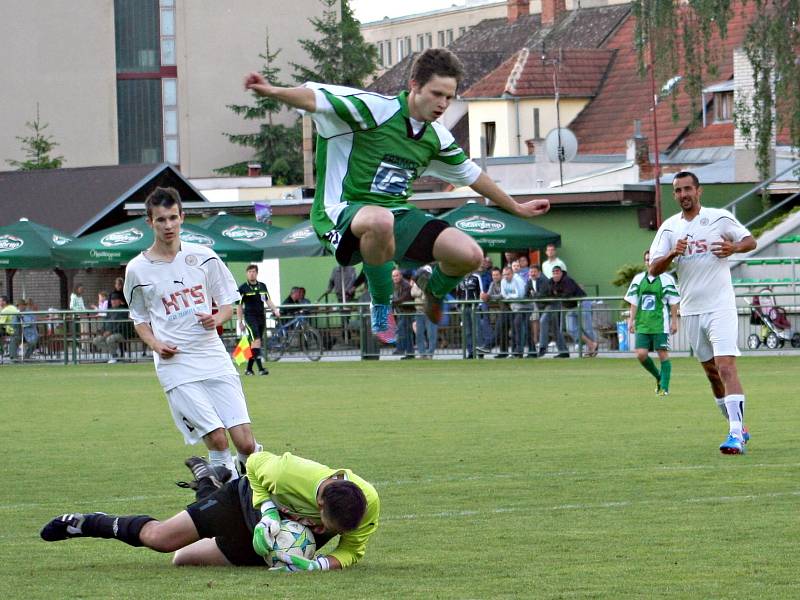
568, 147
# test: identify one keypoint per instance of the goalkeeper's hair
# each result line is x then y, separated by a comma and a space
163, 196
345, 503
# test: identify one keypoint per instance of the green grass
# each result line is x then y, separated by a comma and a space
498, 479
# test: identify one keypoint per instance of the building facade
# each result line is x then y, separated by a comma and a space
140, 81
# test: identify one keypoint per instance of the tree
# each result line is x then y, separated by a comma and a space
277, 148
37, 148
678, 38
340, 55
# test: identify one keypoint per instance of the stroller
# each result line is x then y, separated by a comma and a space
775, 328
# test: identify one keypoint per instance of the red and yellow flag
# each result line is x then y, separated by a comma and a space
242, 352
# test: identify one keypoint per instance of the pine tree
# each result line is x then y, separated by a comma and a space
340, 55
276, 147
37, 148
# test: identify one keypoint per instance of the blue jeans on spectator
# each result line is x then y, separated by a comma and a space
519, 326
485, 333
427, 334
575, 331
405, 336
550, 318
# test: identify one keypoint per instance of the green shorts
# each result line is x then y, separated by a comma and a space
652, 341
409, 223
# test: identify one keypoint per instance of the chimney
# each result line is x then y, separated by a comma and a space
639, 152
516, 9
254, 169
552, 11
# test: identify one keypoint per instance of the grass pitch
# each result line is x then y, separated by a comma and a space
498, 479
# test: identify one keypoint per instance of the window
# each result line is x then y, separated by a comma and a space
136, 26
429, 40
408, 44
139, 121
462, 31
420, 42
388, 53
401, 49
167, 32
449, 36
169, 102
723, 107
440, 38
379, 46
537, 132
488, 133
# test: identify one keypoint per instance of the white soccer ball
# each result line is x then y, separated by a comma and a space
295, 538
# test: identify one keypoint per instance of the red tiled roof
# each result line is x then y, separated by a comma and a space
526, 75
605, 125
710, 136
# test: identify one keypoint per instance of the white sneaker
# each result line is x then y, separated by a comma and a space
112, 361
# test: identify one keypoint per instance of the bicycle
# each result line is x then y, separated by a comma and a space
295, 335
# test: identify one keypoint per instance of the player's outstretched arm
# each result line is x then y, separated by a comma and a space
488, 188
296, 97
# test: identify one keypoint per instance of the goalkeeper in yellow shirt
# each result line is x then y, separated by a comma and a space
235, 523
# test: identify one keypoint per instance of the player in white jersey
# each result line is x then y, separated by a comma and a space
699, 241
370, 149
170, 289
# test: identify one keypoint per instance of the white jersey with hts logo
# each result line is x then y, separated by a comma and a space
704, 279
168, 295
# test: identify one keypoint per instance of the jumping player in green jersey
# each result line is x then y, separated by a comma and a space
654, 316
370, 149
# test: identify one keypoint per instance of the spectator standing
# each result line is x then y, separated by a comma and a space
9, 320
512, 288
550, 321
552, 261
401, 301
498, 311
524, 267
30, 332
536, 286
342, 283
427, 330
119, 292
579, 326
470, 288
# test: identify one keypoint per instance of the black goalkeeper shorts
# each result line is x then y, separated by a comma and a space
220, 516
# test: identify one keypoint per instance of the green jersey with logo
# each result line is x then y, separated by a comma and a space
370, 151
652, 297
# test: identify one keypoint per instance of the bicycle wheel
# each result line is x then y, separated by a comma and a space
311, 344
275, 346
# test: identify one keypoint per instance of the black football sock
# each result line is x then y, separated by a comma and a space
124, 529
257, 358
250, 365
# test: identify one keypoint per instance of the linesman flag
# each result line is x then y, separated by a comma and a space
242, 352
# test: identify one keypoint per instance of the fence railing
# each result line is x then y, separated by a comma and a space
469, 329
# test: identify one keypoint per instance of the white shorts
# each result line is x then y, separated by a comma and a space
200, 407
713, 334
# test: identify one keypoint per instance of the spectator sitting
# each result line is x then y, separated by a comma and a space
112, 332
30, 333
563, 286
552, 261
292, 303
10, 326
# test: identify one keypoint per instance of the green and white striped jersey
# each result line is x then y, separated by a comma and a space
652, 297
369, 150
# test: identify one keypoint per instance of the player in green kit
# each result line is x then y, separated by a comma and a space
370, 149
654, 316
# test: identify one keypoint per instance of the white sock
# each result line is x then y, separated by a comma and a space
222, 458
721, 405
734, 404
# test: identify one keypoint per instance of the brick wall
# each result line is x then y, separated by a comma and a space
43, 285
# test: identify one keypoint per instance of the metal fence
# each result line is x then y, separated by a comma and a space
767, 321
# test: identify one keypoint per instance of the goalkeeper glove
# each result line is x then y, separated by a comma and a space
266, 529
293, 563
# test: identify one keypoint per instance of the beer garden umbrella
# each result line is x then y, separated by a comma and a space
119, 244
29, 245
495, 229
294, 242
240, 229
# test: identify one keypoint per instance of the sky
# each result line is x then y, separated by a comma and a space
374, 10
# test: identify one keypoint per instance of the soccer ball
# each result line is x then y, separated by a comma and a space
295, 538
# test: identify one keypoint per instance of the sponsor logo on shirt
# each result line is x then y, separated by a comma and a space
648, 302
393, 177
244, 233
478, 224
183, 302
121, 238
10, 242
